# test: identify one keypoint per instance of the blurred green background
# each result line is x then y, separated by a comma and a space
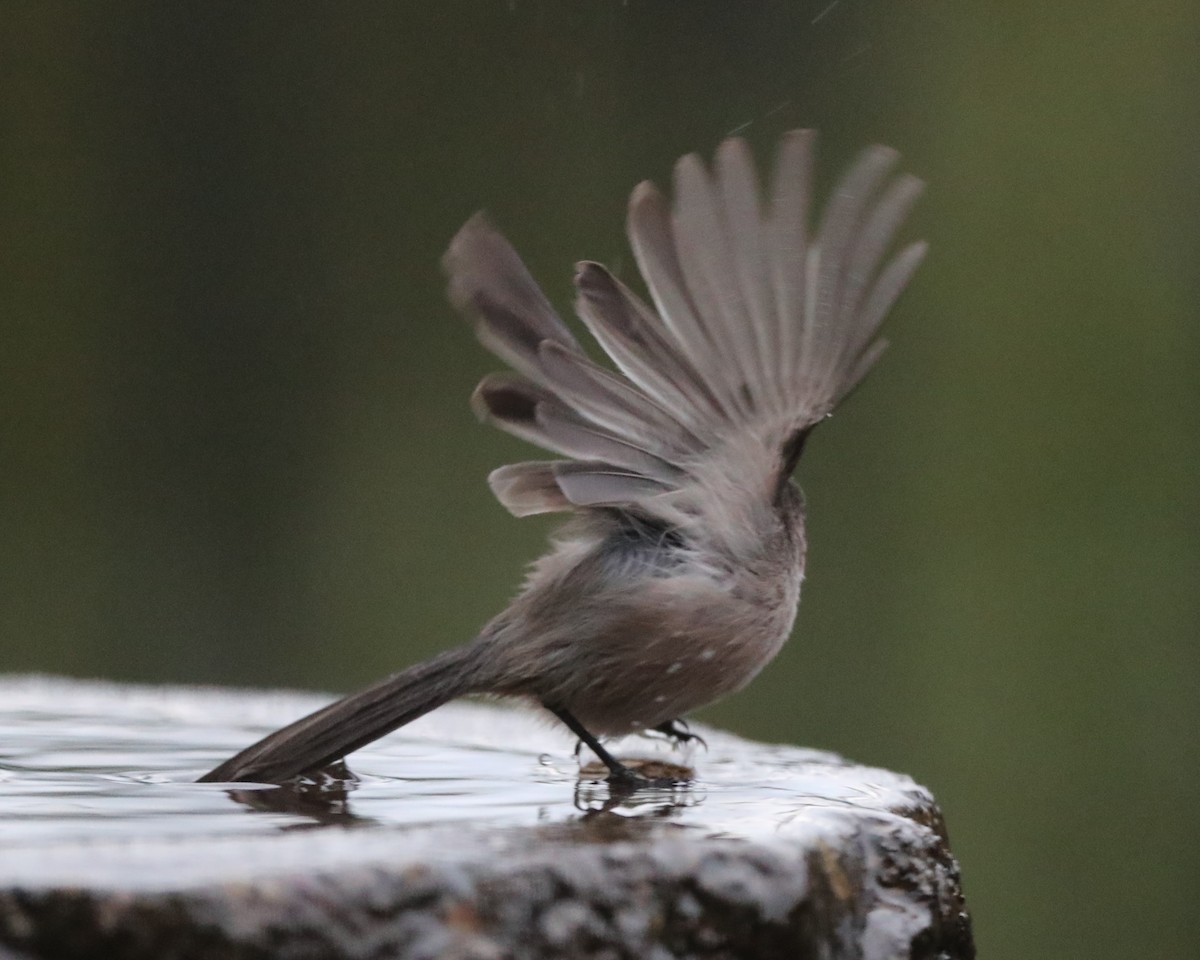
236, 445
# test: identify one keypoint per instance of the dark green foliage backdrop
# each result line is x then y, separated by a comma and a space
236, 445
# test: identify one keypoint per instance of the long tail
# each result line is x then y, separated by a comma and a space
352, 722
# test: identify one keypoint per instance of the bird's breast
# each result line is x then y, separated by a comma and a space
675, 644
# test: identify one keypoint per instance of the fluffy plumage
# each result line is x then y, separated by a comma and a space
679, 577
757, 330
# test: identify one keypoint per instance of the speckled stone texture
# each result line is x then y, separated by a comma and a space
776, 853
888, 891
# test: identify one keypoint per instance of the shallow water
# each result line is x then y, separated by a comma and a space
82, 762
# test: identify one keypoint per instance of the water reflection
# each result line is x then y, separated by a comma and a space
83, 761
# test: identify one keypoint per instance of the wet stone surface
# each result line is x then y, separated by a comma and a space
472, 833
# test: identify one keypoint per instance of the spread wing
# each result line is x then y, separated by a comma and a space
756, 332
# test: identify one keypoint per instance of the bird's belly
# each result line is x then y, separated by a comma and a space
675, 657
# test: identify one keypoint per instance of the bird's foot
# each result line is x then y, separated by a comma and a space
679, 733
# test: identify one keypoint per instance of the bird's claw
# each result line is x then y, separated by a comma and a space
679, 733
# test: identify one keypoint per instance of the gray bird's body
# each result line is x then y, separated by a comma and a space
678, 577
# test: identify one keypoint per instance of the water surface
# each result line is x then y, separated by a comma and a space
89, 766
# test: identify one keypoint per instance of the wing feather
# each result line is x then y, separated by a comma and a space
528, 488
489, 283
737, 183
525, 410
647, 354
758, 328
705, 250
872, 242
612, 401
835, 235
601, 484
652, 236
787, 243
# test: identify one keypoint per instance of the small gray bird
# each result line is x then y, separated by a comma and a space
678, 576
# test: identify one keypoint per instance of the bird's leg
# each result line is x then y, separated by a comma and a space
678, 731
618, 773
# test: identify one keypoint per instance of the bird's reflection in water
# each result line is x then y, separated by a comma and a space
665, 788
323, 797
609, 810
